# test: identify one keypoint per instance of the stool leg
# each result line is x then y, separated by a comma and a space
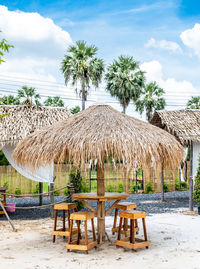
144, 228
78, 236
132, 232
68, 218
55, 223
86, 239
63, 222
70, 233
115, 219
120, 227
93, 231
125, 224
136, 225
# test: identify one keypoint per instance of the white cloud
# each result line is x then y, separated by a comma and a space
164, 45
39, 45
191, 38
177, 93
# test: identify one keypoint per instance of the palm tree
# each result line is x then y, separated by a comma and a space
151, 100
54, 101
28, 94
194, 103
82, 67
124, 80
10, 100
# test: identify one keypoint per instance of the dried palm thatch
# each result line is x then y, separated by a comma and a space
183, 124
23, 120
98, 133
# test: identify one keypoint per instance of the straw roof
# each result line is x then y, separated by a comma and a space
98, 133
183, 124
23, 120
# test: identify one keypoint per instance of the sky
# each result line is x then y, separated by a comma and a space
163, 36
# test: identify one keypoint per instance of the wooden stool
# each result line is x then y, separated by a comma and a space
132, 242
81, 244
126, 228
63, 231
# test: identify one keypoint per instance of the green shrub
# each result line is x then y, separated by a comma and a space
110, 188
18, 191
36, 189
85, 185
166, 187
5, 184
66, 192
120, 188
76, 179
56, 193
149, 187
177, 184
196, 195
184, 185
134, 188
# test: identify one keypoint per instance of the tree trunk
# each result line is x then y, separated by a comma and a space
83, 96
124, 110
191, 207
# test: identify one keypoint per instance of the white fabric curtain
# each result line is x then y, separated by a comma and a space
196, 152
43, 174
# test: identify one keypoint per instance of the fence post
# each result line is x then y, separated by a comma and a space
51, 188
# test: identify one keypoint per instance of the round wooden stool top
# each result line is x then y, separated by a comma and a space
132, 214
65, 206
126, 205
82, 216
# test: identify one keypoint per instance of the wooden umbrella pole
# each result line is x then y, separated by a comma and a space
162, 182
191, 206
100, 204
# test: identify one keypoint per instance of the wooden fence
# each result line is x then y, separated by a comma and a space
113, 177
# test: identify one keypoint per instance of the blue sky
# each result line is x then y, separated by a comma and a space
161, 35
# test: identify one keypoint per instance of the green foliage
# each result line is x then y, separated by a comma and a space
151, 100
120, 188
184, 185
80, 65
4, 47
177, 184
75, 109
18, 191
85, 185
56, 193
166, 187
36, 189
3, 160
149, 187
5, 184
196, 195
134, 188
28, 95
76, 179
66, 192
194, 103
54, 102
10, 100
124, 80
110, 188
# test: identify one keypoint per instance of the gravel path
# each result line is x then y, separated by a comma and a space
150, 203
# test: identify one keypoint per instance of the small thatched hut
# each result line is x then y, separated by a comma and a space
21, 121
185, 126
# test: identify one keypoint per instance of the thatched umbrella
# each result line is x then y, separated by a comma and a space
100, 132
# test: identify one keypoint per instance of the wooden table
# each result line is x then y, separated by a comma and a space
100, 212
3, 191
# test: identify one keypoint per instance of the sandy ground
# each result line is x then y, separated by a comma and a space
175, 243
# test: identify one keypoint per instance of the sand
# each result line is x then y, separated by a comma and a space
175, 243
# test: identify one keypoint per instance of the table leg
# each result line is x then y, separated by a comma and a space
101, 221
